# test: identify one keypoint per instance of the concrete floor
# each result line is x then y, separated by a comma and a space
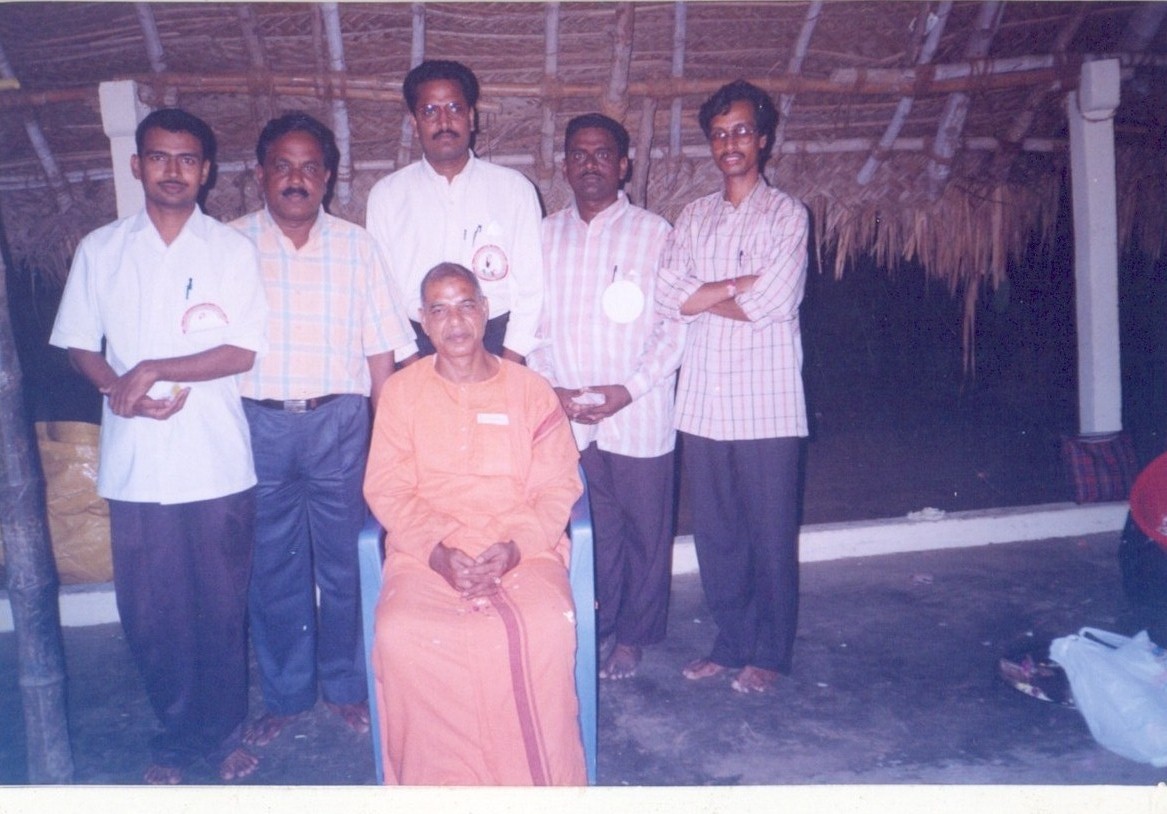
894, 683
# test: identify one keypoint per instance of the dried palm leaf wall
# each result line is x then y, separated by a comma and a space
925, 131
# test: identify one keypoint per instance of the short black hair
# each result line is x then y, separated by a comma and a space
297, 121
433, 69
174, 120
600, 122
765, 114
444, 270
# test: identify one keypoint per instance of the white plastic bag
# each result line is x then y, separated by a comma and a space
1120, 687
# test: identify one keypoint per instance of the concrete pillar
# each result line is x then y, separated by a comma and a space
120, 113
1090, 111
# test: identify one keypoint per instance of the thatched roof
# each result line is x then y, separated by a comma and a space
927, 131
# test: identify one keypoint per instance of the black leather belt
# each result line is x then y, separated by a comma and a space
295, 405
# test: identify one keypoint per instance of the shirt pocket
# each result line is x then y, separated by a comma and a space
492, 450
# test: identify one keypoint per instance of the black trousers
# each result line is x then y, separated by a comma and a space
632, 517
180, 574
744, 500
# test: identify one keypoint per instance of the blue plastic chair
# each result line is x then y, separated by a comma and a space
582, 575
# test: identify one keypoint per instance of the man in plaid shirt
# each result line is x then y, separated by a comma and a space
735, 270
612, 359
335, 323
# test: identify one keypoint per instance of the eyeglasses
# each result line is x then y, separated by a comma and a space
737, 132
600, 156
455, 110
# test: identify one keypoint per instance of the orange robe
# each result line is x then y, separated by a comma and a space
475, 692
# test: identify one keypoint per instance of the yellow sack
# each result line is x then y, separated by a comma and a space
78, 518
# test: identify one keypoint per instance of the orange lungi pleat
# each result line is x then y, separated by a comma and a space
478, 693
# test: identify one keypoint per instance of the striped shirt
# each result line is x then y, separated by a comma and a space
331, 305
740, 380
583, 346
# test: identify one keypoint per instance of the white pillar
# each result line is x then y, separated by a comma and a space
120, 113
1090, 111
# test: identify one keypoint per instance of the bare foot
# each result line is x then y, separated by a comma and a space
702, 668
266, 728
355, 716
754, 679
621, 662
157, 775
237, 765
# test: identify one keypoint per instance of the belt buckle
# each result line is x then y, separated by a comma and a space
296, 405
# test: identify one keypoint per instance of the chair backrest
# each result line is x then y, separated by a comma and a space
582, 575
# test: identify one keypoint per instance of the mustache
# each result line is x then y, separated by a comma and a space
290, 191
445, 133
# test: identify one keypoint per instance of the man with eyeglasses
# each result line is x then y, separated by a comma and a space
336, 321
612, 358
735, 270
453, 207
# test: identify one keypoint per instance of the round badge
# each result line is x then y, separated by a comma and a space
490, 263
623, 301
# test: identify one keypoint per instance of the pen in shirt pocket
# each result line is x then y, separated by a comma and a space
189, 286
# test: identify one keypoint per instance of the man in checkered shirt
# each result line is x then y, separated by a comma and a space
734, 270
612, 358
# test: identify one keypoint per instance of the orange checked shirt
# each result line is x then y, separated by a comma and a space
331, 305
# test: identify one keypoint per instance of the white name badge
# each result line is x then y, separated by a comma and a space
623, 301
499, 419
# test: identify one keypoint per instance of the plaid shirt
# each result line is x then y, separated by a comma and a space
331, 305
583, 346
740, 380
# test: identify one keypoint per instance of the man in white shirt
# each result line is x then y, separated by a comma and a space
453, 207
612, 359
178, 301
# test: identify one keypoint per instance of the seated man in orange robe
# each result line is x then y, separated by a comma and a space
473, 472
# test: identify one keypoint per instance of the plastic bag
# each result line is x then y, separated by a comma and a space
1120, 687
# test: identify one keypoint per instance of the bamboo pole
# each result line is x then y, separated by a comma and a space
996, 75
1023, 121
644, 134
416, 55
550, 70
263, 106
340, 123
953, 118
794, 67
931, 39
678, 72
155, 53
615, 101
32, 575
40, 146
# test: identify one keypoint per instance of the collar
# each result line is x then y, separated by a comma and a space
436, 176
609, 213
269, 225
